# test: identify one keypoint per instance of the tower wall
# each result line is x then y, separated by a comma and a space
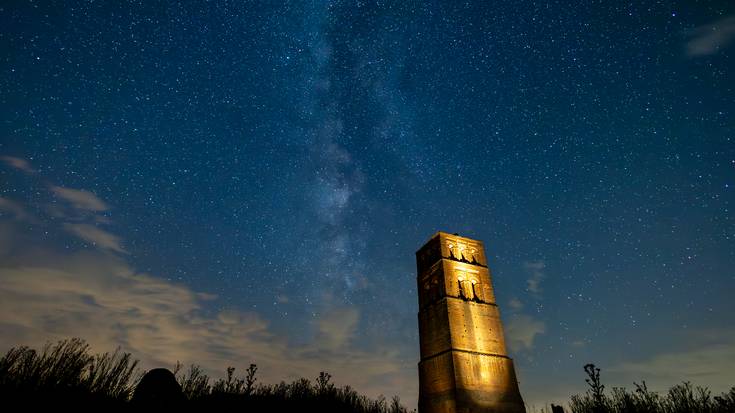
464, 365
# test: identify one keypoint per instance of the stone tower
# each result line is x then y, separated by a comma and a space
464, 366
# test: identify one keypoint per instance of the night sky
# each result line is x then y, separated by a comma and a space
231, 182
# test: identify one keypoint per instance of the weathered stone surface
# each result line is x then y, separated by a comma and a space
464, 364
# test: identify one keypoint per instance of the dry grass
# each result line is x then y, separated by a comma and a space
66, 374
682, 398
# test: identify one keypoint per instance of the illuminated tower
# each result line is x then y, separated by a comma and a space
464, 366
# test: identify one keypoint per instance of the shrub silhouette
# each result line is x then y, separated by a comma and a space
682, 398
299, 395
65, 374
158, 388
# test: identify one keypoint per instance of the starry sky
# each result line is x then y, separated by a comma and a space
231, 182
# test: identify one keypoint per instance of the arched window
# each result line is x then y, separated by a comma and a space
466, 287
477, 291
469, 287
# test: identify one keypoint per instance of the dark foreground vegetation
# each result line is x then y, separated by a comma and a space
682, 398
66, 374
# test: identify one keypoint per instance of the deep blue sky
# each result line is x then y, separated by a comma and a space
275, 166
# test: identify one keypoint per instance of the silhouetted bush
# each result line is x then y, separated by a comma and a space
65, 374
158, 389
682, 398
299, 395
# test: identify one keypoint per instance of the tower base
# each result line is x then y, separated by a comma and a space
458, 381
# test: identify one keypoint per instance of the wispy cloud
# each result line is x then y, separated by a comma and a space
521, 331
710, 38
14, 209
96, 236
101, 298
710, 364
515, 304
337, 327
18, 163
80, 198
536, 269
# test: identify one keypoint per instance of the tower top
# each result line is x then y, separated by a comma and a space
443, 245
445, 234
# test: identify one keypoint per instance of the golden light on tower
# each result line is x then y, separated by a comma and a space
464, 365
